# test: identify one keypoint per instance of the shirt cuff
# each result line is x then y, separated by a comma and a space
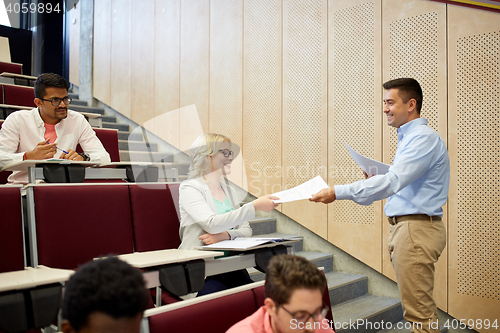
342, 192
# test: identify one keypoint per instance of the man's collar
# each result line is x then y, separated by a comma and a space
411, 125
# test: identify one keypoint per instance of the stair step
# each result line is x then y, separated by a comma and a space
73, 95
319, 259
366, 314
88, 109
108, 119
136, 145
140, 156
120, 127
264, 225
182, 168
78, 102
297, 246
345, 286
127, 135
404, 326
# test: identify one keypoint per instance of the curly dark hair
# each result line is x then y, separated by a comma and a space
48, 80
286, 273
110, 286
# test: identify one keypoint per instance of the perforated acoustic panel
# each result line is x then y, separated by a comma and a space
478, 100
414, 53
353, 99
194, 57
303, 91
262, 102
226, 35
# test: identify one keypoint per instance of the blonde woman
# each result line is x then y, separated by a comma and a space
209, 208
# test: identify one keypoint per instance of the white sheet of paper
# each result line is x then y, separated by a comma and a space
237, 243
303, 191
368, 165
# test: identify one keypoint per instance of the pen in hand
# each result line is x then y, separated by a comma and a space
64, 151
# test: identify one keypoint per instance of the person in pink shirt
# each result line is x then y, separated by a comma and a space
294, 300
50, 130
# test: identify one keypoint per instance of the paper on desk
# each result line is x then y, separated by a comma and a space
371, 167
243, 243
303, 191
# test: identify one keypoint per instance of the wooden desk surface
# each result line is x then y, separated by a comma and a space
18, 76
163, 257
24, 165
32, 277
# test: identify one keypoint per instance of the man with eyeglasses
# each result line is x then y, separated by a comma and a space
39, 133
294, 299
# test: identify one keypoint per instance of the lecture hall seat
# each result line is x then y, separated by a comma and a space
11, 67
18, 95
11, 230
109, 139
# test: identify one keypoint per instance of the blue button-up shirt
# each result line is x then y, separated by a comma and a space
418, 180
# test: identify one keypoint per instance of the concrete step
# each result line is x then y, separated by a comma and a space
88, 109
108, 119
126, 135
73, 95
319, 259
78, 102
366, 314
139, 156
344, 286
263, 225
404, 326
120, 127
136, 145
182, 168
297, 246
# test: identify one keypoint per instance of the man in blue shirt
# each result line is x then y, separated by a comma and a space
416, 186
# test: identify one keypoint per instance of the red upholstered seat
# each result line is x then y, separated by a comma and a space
75, 224
109, 139
214, 316
11, 230
19, 95
11, 67
154, 216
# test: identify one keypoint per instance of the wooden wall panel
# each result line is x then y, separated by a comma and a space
226, 76
74, 45
262, 96
414, 45
166, 111
121, 61
102, 50
142, 61
355, 118
474, 100
305, 105
194, 67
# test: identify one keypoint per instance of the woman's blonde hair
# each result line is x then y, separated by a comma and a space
204, 146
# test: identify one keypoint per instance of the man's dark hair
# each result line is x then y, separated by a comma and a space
286, 273
408, 88
110, 286
49, 80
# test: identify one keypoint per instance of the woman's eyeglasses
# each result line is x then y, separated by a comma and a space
227, 152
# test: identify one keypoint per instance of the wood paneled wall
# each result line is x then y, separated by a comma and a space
291, 81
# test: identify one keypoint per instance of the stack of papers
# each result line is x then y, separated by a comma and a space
303, 191
246, 243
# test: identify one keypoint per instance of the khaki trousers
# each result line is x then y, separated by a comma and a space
414, 247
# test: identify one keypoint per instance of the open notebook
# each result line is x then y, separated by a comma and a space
247, 243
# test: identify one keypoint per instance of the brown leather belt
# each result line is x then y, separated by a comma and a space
396, 219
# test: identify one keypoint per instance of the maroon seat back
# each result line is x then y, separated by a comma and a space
11, 67
11, 230
75, 224
19, 95
214, 316
109, 139
154, 216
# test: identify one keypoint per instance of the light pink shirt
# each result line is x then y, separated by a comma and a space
259, 322
23, 130
50, 133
